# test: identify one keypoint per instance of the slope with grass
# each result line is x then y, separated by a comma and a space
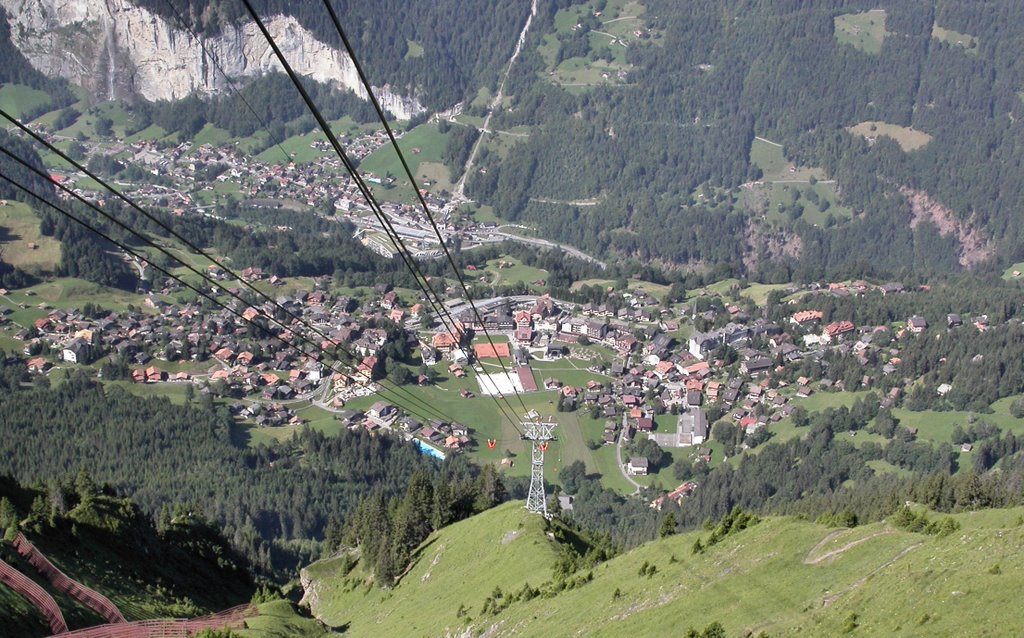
783, 576
183, 570
457, 567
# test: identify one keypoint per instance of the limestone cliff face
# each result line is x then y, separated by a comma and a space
113, 48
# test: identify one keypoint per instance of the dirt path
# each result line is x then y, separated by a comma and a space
460, 187
831, 598
836, 553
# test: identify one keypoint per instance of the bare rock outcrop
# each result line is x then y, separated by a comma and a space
113, 48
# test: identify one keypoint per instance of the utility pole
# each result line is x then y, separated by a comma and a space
538, 434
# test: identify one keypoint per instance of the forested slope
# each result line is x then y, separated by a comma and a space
273, 503
715, 75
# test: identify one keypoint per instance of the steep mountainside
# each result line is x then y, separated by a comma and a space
662, 127
782, 577
178, 568
114, 49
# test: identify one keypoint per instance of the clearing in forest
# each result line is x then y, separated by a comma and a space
949, 36
18, 99
601, 59
21, 243
908, 138
865, 31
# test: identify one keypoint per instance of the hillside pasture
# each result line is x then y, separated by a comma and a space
782, 577
422, 148
517, 272
299, 148
413, 49
18, 99
621, 26
786, 200
864, 31
1014, 272
425, 143
938, 426
21, 243
908, 138
771, 159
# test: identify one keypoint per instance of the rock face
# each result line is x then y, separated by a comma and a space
113, 48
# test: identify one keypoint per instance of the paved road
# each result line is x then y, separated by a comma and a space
569, 250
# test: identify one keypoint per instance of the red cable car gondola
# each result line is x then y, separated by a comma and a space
544, 447
491, 444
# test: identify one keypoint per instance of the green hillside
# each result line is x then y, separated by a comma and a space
459, 566
783, 577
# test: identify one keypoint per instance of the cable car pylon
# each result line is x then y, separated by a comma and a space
538, 434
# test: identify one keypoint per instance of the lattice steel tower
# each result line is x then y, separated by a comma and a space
538, 434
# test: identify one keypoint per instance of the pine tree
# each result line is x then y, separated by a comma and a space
490, 490
8, 514
443, 501
668, 525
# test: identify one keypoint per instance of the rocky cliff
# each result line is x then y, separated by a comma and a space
113, 48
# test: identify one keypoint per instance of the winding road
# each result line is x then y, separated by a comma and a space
545, 243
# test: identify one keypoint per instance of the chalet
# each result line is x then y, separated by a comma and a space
544, 307
663, 368
891, 288
428, 354
839, 328
381, 411
917, 324
443, 343
693, 398
713, 389
77, 351
757, 365
748, 422
637, 466
39, 365
805, 317
953, 321
645, 424
626, 343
